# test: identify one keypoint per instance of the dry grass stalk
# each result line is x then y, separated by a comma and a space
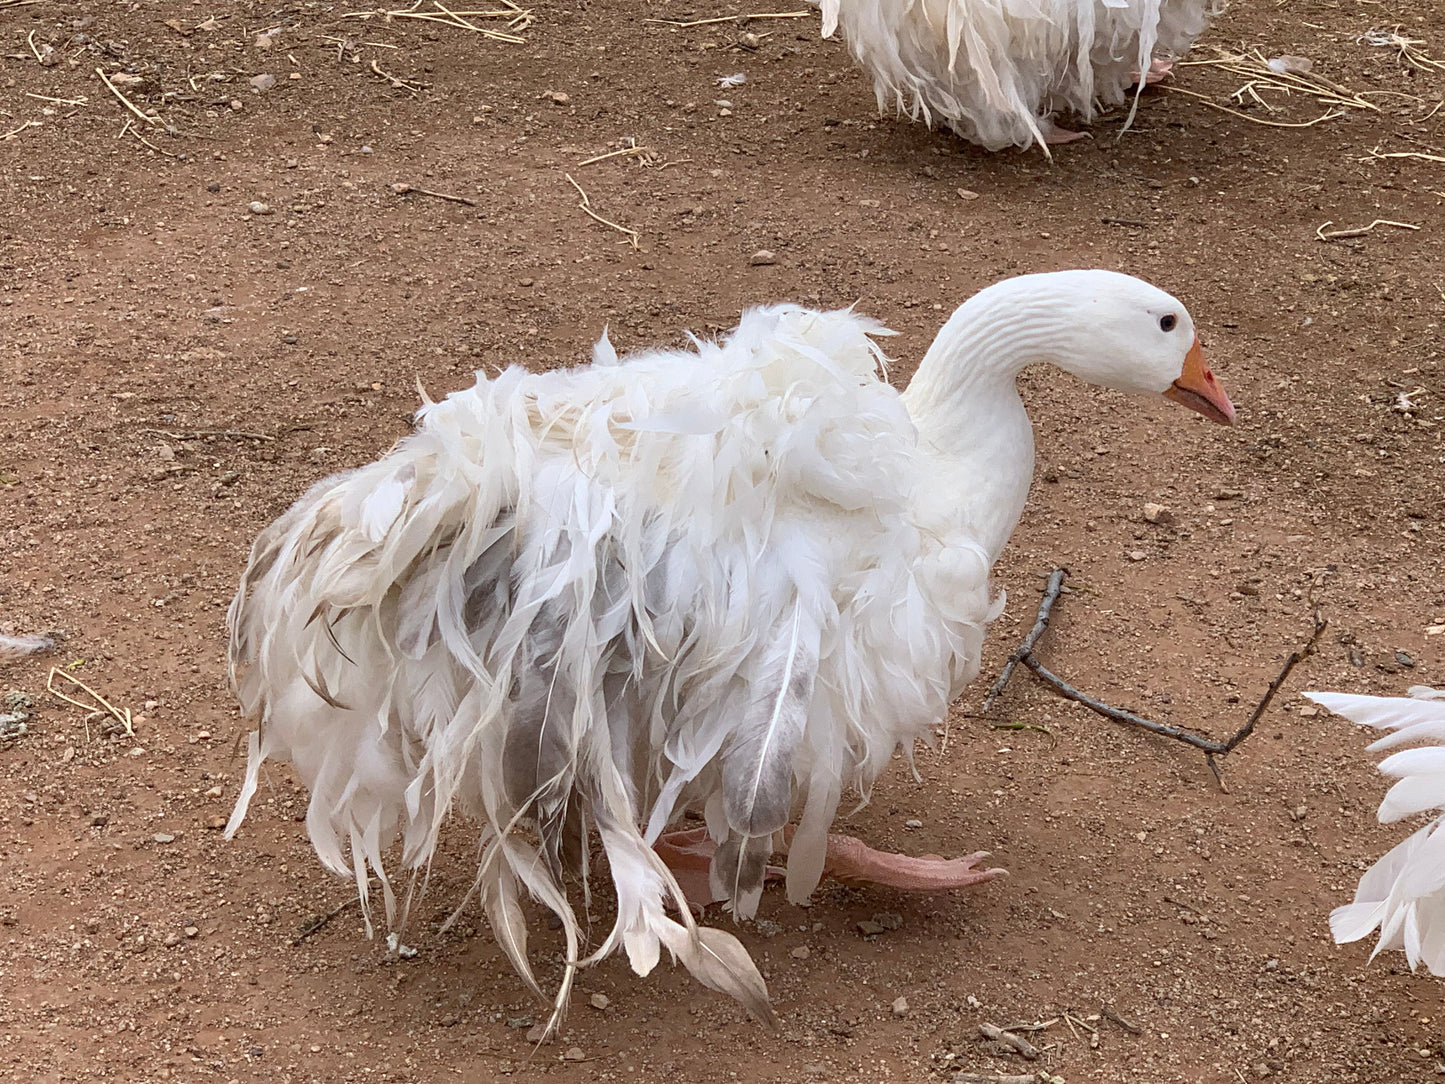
1358, 231
397, 82
1378, 154
58, 101
516, 18
1413, 57
99, 705
126, 101
586, 205
741, 19
16, 131
645, 155
1328, 115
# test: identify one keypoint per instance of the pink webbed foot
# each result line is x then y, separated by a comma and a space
689, 855
1159, 70
1055, 136
855, 863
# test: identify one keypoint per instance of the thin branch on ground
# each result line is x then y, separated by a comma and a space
742, 19
1358, 231
586, 205
1211, 747
124, 100
316, 922
403, 189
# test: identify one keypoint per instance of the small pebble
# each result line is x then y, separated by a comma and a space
800, 953
1157, 513
966, 193
1138, 555
574, 1053
598, 1001
366, 148
163, 837
913, 822
256, 207
900, 1006
191, 931
263, 82
763, 257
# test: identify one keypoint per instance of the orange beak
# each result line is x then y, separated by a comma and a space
1197, 389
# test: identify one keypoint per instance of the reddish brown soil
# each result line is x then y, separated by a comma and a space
140, 305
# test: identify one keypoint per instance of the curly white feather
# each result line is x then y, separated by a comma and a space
564, 592
995, 71
1403, 894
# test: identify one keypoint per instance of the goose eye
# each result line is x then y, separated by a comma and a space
1166, 323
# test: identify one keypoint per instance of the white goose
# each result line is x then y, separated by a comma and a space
734, 579
996, 71
1403, 894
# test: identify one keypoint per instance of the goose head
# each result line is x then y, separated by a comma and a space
1133, 337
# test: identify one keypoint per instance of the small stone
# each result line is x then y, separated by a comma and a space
913, 822
237, 105
1157, 513
366, 148
290, 340
889, 920
265, 41
802, 952
1404, 660
574, 1053
537, 1034
163, 837
263, 82
256, 207
724, 112
100, 820
215, 824
598, 1001
763, 257
1138, 555
191, 931
967, 193
869, 928
520, 1022
172, 940
900, 1006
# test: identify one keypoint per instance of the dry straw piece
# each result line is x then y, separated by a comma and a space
1358, 231
516, 18
99, 705
741, 19
586, 205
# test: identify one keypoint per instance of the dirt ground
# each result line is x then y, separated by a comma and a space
149, 321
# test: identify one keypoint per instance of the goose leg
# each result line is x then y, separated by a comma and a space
689, 855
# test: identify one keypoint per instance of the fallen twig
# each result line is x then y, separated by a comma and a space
126, 101
641, 152
1377, 153
1329, 115
58, 101
16, 131
586, 205
317, 921
1018, 1043
1210, 747
397, 82
198, 434
517, 18
1358, 231
1051, 595
403, 189
741, 19
1108, 1013
120, 715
